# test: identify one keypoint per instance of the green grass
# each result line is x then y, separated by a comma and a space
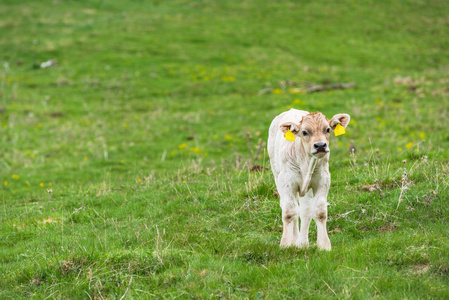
125, 168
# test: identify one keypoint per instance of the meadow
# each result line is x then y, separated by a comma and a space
133, 164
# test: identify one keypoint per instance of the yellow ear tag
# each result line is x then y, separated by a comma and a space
339, 130
289, 136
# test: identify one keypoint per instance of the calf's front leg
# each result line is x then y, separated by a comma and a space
290, 214
290, 234
320, 218
305, 216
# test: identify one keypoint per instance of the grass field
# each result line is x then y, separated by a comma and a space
136, 166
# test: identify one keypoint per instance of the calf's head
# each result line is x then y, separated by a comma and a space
314, 131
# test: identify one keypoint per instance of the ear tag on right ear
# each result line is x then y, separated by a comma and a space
339, 130
289, 136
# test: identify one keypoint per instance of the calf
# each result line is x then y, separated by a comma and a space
298, 146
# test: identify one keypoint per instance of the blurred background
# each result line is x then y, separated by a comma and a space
125, 86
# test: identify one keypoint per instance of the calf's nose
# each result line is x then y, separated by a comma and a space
320, 146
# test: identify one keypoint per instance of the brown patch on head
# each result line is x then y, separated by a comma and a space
314, 122
316, 117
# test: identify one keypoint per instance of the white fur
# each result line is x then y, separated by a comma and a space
290, 163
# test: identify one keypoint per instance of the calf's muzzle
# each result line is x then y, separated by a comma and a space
320, 147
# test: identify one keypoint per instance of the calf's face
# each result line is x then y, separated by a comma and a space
314, 131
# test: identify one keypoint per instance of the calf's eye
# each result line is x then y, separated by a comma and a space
304, 133
328, 130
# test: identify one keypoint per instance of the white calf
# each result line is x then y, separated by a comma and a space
298, 146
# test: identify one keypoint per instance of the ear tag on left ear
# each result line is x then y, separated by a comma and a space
339, 130
289, 136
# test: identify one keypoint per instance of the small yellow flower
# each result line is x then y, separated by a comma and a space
195, 150
139, 180
294, 91
85, 158
228, 78
183, 181
182, 146
5, 183
409, 145
323, 68
15, 176
277, 91
298, 101
228, 137
41, 184
422, 135
399, 149
27, 182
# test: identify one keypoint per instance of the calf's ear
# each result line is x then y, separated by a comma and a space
342, 119
290, 125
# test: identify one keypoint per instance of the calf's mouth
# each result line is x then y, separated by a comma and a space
320, 152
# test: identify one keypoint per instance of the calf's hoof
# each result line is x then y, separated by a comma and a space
299, 244
324, 245
303, 244
289, 242
285, 243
